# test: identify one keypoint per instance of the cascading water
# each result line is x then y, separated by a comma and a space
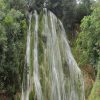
55, 74
54, 59
36, 65
26, 74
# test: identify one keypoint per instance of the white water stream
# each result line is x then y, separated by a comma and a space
58, 76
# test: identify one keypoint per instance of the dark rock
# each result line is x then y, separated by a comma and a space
44, 39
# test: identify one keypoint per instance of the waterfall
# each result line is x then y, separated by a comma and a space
36, 65
54, 59
26, 74
55, 74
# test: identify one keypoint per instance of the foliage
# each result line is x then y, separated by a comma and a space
88, 42
12, 32
17, 4
13, 27
70, 12
95, 93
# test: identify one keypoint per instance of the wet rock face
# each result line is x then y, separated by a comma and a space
46, 3
44, 39
30, 9
66, 69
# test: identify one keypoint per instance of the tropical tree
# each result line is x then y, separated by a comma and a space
88, 46
12, 47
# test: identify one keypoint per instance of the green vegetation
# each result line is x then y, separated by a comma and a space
31, 96
88, 46
13, 32
88, 41
12, 47
70, 12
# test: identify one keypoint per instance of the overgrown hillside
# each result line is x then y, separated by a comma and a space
81, 21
